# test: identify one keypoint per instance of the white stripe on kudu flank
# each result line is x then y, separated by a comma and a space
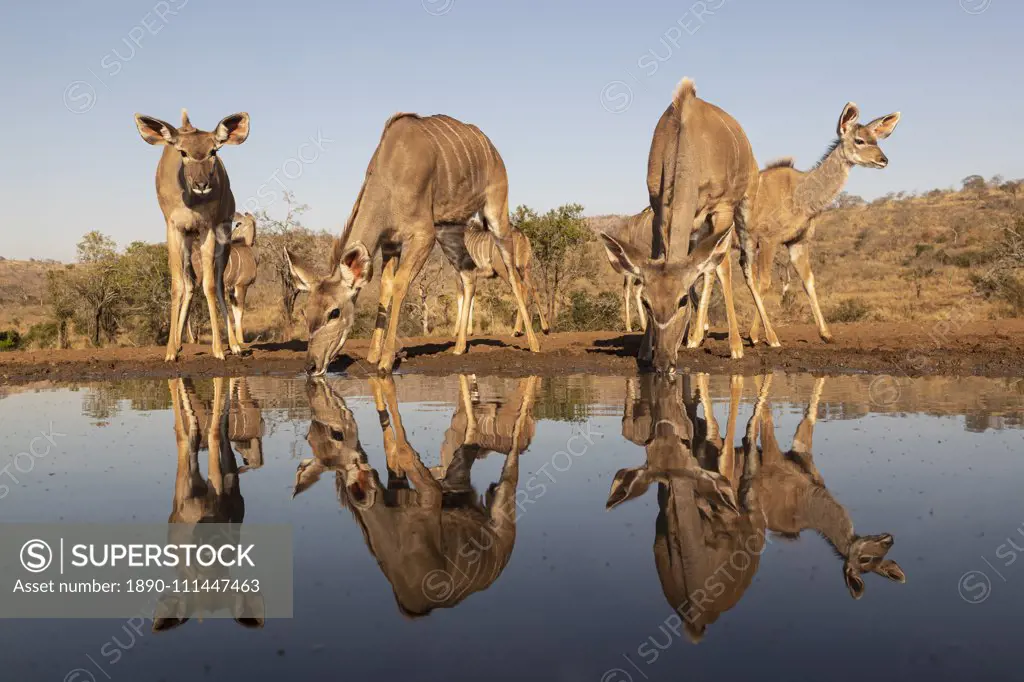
489, 151
465, 148
440, 151
455, 152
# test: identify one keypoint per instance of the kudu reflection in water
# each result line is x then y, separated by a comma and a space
434, 538
717, 501
232, 417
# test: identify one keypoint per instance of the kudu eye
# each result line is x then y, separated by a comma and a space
683, 300
213, 153
184, 155
334, 314
859, 142
337, 435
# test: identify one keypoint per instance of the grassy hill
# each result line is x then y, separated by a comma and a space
899, 258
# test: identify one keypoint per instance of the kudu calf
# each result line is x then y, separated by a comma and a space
788, 202
717, 501
436, 542
217, 499
478, 257
426, 171
239, 273
701, 177
195, 196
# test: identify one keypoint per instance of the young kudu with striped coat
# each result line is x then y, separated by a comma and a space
427, 171
239, 272
484, 260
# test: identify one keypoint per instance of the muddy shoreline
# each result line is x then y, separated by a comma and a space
987, 348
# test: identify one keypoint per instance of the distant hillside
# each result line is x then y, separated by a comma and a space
23, 292
899, 258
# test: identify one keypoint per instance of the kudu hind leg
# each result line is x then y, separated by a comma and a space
723, 221
747, 256
221, 254
627, 294
800, 256
762, 280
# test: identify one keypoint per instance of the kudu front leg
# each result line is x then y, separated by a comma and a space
179, 248
211, 278
387, 288
414, 255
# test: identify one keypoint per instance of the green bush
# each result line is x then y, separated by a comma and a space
10, 339
849, 310
42, 335
590, 313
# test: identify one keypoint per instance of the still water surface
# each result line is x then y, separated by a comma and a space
573, 528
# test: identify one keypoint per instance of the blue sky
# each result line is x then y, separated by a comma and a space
538, 76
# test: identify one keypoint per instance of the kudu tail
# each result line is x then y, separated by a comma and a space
679, 202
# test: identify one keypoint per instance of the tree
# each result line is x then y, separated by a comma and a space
847, 200
96, 247
558, 239
273, 236
973, 183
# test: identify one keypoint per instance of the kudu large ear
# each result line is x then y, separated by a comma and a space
244, 229
854, 583
711, 251
352, 265
302, 275
888, 568
155, 131
232, 129
883, 126
847, 119
625, 255
627, 484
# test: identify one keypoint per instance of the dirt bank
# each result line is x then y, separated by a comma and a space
987, 348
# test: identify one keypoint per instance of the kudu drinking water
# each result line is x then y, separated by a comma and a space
239, 273
195, 197
426, 171
436, 542
717, 501
217, 499
701, 178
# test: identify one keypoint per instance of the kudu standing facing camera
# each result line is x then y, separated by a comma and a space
194, 194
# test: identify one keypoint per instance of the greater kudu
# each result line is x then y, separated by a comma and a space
701, 177
479, 257
426, 171
239, 274
218, 499
716, 501
436, 542
636, 229
788, 202
195, 196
